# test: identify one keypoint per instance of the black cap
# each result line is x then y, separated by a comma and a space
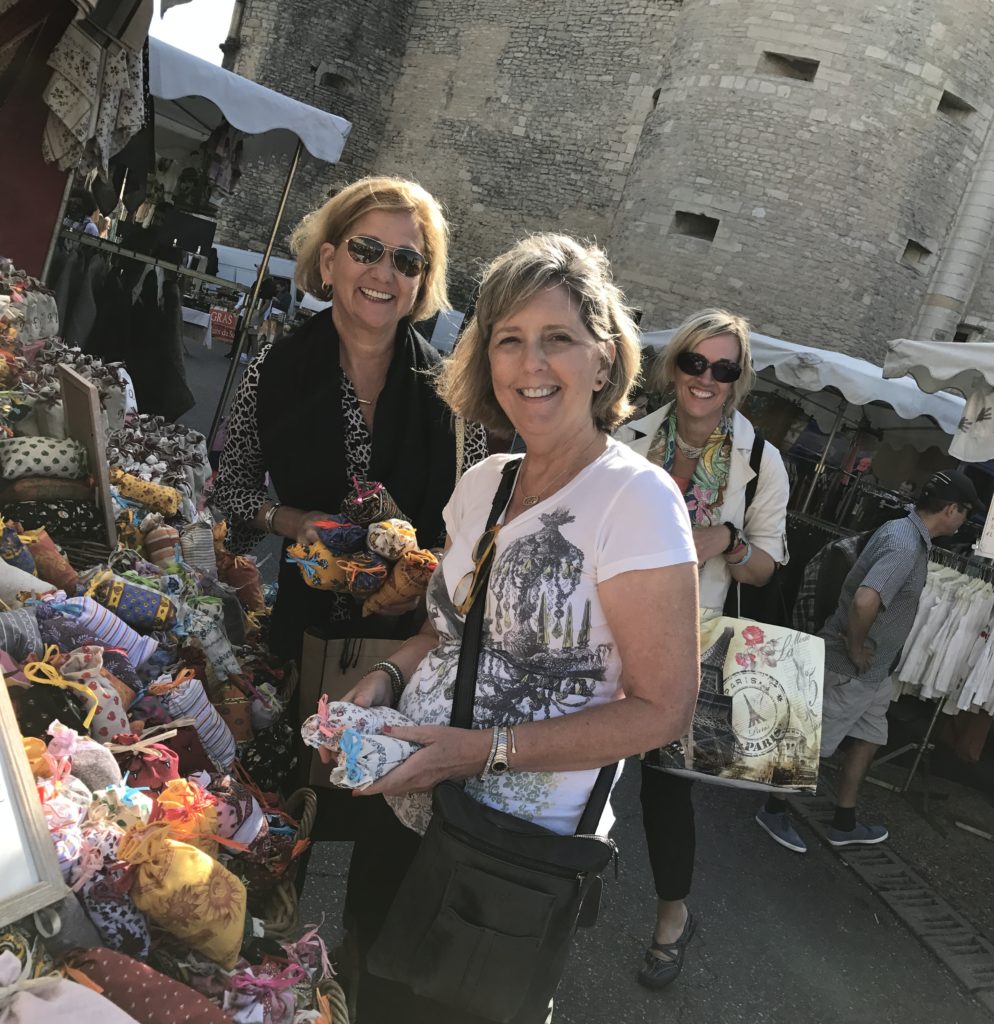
954, 487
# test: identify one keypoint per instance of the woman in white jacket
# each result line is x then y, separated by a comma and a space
705, 444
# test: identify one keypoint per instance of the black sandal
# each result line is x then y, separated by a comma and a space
662, 970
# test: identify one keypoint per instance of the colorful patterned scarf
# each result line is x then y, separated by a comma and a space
705, 494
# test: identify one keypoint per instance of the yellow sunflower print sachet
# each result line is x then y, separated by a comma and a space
186, 892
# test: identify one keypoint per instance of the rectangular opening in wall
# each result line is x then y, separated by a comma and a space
787, 66
915, 255
694, 225
954, 106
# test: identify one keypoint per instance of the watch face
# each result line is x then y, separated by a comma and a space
498, 768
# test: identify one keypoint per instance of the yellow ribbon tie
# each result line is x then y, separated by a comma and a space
46, 674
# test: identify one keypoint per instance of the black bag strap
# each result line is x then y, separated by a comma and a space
755, 461
464, 696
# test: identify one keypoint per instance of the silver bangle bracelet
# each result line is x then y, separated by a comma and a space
395, 675
745, 558
271, 515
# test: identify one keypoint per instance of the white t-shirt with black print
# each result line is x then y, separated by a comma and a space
546, 649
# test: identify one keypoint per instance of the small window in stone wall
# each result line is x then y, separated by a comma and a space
338, 83
694, 225
655, 98
915, 256
787, 66
954, 106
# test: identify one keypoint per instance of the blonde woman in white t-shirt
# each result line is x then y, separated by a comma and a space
593, 542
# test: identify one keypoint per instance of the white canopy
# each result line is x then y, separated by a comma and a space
969, 368
858, 381
197, 92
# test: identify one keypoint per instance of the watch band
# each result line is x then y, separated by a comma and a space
498, 763
735, 537
490, 757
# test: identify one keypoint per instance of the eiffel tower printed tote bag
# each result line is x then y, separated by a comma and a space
758, 717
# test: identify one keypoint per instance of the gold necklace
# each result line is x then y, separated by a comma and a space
529, 500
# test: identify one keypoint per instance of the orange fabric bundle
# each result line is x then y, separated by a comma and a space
190, 813
408, 580
242, 575
51, 565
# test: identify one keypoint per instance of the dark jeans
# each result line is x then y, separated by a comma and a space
380, 859
668, 821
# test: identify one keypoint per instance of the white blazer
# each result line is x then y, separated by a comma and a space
765, 524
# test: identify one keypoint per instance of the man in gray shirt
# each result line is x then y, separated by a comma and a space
863, 639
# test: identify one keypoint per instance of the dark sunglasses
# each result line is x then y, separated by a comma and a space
364, 249
469, 586
724, 371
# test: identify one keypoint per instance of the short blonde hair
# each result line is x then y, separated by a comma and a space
331, 223
511, 281
698, 327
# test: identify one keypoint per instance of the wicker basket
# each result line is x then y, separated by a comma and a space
336, 996
281, 915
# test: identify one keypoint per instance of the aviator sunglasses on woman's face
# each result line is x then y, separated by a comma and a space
724, 371
364, 249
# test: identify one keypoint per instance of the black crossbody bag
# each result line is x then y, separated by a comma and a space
485, 916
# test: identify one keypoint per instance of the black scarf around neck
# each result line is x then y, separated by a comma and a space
302, 434
301, 426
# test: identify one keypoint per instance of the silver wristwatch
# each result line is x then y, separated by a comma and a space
498, 763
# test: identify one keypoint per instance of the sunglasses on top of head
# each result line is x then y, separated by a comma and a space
364, 249
724, 371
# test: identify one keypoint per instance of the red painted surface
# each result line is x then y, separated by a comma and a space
30, 190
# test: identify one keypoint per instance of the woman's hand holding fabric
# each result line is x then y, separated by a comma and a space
447, 753
710, 542
303, 531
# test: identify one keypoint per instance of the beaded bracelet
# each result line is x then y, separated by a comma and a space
396, 678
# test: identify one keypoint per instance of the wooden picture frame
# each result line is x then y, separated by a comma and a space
30, 876
85, 424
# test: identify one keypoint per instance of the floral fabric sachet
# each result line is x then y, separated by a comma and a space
391, 539
355, 735
186, 892
142, 608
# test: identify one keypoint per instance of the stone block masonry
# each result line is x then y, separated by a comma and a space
834, 143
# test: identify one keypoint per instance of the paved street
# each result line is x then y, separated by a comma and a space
781, 937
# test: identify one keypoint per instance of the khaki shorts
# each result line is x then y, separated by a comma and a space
853, 708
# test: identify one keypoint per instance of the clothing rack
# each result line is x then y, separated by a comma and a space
113, 249
970, 565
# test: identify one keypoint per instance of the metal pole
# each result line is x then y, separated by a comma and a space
239, 342
43, 276
820, 468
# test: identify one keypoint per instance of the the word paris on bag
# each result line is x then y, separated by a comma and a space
484, 919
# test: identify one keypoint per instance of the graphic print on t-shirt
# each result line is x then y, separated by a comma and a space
536, 658
538, 653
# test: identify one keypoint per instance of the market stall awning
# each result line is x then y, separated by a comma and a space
858, 381
967, 367
197, 92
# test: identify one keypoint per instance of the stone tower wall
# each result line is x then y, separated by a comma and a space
817, 186
525, 115
641, 124
343, 57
